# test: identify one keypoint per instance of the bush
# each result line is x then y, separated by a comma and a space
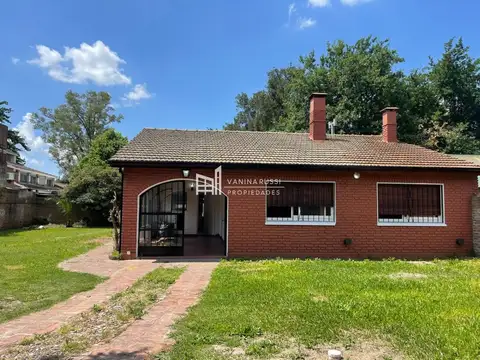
116, 255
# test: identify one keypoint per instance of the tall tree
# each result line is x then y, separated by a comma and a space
440, 105
263, 109
455, 80
71, 128
93, 183
16, 142
359, 79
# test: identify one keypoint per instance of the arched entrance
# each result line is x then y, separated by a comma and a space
174, 221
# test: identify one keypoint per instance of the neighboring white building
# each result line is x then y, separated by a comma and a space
23, 177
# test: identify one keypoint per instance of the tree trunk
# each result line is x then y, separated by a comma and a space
114, 218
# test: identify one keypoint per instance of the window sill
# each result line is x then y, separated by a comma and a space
413, 224
300, 223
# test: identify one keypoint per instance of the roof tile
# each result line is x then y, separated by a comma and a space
251, 147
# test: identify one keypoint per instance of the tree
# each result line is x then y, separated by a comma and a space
71, 128
16, 142
67, 209
261, 111
439, 105
115, 217
93, 182
359, 79
455, 80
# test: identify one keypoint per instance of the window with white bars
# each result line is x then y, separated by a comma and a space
300, 203
417, 204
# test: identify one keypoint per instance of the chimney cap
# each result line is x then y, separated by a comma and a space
318, 95
389, 108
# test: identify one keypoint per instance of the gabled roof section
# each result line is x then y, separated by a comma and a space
166, 146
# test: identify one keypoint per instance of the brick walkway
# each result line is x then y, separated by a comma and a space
150, 334
121, 275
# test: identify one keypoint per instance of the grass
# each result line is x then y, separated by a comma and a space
258, 309
100, 324
29, 277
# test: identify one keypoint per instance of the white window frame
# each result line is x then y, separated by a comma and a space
444, 223
303, 223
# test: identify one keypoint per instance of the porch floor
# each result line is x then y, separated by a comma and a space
200, 245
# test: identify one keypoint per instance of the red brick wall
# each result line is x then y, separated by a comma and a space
356, 215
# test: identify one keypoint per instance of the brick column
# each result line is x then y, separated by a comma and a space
476, 223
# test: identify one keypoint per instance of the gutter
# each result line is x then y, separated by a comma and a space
150, 164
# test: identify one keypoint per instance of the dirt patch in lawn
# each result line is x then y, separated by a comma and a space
14, 267
253, 269
10, 303
319, 298
360, 350
228, 350
404, 275
277, 348
421, 262
100, 241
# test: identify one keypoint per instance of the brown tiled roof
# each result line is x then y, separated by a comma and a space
278, 148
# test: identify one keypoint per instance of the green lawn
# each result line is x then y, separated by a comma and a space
284, 309
102, 323
29, 277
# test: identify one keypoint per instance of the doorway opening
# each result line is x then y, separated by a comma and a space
175, 221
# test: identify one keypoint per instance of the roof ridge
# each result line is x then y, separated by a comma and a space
251, 131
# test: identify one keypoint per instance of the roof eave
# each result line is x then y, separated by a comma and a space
174, 164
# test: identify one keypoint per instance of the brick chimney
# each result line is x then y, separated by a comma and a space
389, 129
318, 116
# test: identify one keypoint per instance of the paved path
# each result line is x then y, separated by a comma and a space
150, 334
121, 275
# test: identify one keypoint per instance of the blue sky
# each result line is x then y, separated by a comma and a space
180, 63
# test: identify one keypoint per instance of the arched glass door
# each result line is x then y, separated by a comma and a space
162, 220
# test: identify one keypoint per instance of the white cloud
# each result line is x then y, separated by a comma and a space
320, 3
291, 10
26, 129
138, 93
304, 23
15, 60
301, 22
38, 153
35, 162
354, 2
89, 63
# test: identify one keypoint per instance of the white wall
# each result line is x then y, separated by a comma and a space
215, 215
191, 214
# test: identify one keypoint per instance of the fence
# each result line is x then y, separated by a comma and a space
19, 208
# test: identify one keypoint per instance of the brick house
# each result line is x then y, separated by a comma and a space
265, 194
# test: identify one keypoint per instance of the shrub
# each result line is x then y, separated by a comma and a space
115, 255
